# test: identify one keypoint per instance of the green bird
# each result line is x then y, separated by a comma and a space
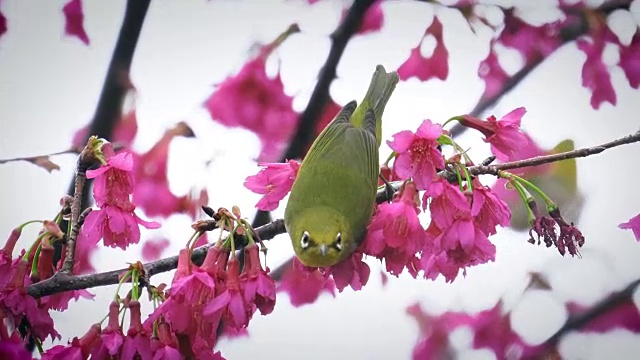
333, 196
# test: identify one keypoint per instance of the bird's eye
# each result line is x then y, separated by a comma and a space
304, 241
338, 243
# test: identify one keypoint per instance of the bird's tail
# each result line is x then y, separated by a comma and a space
380, 89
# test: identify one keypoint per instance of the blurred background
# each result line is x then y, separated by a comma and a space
50, 84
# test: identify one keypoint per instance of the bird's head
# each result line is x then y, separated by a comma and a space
321, 237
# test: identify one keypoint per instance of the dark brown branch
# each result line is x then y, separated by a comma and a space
80, 179
610, 303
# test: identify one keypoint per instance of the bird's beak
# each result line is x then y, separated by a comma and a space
323, 249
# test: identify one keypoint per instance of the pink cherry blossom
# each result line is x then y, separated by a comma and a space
418, 156
274, 181
112, 337
504, 135
6, 256
488, 209
191, 289
630, 60
254, 101
153, 248
78, 349
259, 287
117, 227
493, 74
16, 305
74, 20
433, 342
14, 350
231, 302
595, 74
425, 68
137, 343
165, 346
351, 271
634, 225
395, 233
114, 181
304, 285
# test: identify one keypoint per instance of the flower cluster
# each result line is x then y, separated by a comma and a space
115, 221
216, 295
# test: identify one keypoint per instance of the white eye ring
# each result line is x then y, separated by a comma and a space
338, 243
304, 241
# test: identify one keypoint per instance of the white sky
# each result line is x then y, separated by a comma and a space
49, 85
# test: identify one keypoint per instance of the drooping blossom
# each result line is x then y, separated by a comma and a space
490, 211
111, 337
16, 305
630, 60
418, 155
504, 135
304, 285
425, 68
634, 225
231, 301
259, 287
254, 101
274, 181
555, 231
395, 233
114, 180
492, 73
118, 228
6, 256
14, 350
78, 349
165, 345
595, 74
351, 271
152, 193
74, 20
457, 231
137, 342
192, 287
153, 248
115, 221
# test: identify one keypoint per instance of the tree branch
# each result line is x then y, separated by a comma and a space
568, 34
64, 282
607, 304
545, 159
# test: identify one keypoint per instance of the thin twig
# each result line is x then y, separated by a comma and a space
545, 159
33, 158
